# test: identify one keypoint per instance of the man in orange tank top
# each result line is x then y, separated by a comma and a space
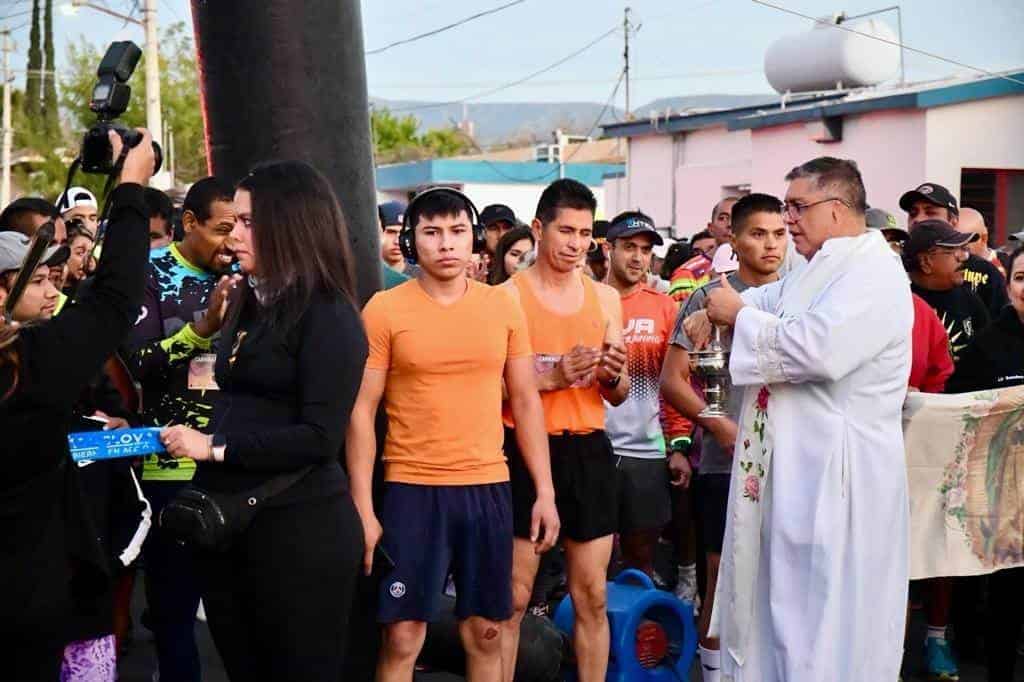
575, 329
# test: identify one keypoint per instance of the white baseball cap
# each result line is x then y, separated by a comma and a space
75, 197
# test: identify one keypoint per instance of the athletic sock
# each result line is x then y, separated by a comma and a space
938, 633
710, 664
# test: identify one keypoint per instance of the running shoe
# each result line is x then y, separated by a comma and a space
939, 660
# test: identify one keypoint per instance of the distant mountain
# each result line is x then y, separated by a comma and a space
678, 104
535, 121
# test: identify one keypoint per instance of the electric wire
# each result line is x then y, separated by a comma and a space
447, 27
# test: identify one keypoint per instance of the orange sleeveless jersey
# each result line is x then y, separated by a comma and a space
579, 408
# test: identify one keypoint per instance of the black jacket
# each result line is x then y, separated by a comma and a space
285, 397
44, 526
995, 359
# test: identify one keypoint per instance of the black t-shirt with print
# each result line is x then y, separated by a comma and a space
961, 312
985, 280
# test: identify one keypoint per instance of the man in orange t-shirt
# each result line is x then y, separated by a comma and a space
440, 346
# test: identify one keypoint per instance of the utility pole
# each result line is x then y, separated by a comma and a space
153, 117
626, 28
7, 133
154, 120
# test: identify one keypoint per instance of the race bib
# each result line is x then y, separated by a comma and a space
200, 373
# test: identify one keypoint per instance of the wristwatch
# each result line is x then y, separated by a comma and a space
218, 444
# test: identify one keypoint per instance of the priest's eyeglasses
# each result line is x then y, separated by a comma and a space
795, 211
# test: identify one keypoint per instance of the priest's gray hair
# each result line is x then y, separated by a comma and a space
840, 176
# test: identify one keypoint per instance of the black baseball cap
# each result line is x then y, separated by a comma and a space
933, 194
496, 213
931, 233
631, 226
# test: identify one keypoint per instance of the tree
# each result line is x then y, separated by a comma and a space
395, 139
179, 93
35, 68
50, 113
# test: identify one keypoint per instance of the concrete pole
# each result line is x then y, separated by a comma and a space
154, 117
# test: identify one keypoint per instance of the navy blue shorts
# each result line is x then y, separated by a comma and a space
429, 530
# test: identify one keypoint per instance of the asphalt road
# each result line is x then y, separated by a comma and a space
140, 663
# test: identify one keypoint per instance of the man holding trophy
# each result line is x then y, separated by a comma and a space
814, 567
759, 241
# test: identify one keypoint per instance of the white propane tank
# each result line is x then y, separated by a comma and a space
825, 56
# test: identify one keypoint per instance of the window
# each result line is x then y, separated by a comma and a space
999, 195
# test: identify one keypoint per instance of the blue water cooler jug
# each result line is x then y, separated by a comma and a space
653, 636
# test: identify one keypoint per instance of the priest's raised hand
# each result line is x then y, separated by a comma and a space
724, 303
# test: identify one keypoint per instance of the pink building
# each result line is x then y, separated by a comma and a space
965, 134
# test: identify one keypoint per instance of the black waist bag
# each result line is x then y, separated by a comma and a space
210, 521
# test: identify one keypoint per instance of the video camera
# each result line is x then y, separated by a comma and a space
109, 100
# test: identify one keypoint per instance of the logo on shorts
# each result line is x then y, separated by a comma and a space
397, 590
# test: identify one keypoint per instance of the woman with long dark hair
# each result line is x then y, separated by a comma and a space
510, 252
289, 367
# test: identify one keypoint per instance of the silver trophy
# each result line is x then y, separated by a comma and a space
712, 366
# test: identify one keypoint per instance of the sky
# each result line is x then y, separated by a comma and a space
682, 47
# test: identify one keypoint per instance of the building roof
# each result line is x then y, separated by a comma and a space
459, 171
817, 106
593, 151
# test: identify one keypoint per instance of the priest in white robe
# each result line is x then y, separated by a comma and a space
813, 579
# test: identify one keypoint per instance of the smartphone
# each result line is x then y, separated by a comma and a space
382, 561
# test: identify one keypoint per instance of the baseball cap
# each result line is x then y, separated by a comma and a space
661, 250
497, 212
930, 233
391, 213
74, 197
880, 219
632, 226
933, 194
14, 247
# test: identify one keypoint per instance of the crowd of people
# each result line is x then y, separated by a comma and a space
513, 417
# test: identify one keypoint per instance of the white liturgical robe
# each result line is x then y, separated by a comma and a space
813, 580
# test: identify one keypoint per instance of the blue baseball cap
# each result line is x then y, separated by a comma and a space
632, 226
391, 213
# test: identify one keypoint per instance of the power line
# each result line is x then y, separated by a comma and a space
442, 29
514, 83
895, 43
547, 174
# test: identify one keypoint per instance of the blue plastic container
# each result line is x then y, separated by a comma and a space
632, 601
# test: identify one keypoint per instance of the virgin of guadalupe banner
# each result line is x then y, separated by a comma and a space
965, 468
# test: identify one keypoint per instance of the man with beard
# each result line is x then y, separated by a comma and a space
934, 202
171, 354
635, 427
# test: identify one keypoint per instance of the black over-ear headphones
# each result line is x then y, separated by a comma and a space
407, 237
